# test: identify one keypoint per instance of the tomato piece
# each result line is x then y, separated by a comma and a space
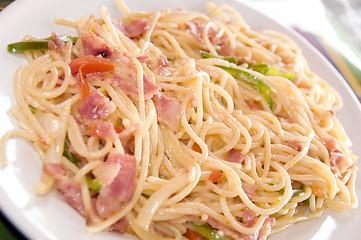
215, 175
193, 235
76, 63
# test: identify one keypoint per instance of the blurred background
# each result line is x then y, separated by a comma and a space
332, 26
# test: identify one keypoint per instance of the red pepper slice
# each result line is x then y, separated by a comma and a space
86, 65
215, 175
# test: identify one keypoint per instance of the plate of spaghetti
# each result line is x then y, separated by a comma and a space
172, 120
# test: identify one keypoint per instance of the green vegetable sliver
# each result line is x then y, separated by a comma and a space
71, 156
207, 231
27, 46
258, 84
93, 183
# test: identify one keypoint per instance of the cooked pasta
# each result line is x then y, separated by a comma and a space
170, 124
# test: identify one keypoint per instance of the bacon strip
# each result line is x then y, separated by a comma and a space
168, 110
96, 106
94, 45
235, 156
120, 191
132, 29
67, 187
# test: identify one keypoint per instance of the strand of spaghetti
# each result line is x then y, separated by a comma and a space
54, 152
137, 192
154, 19
80, 174
123, 7
122, 102
146, 214
18, 87
116, 36
195, 138
301, 154
178, 51
31, 85
76, 140
235, 224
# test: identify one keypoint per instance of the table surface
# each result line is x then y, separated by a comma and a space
343, 20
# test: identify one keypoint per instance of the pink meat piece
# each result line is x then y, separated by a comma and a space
215, 35
134, 28
94, 45
101, 129
339, 160
66, 186
120, 191
235, 156
266, 228
298, 146
262, 234
168, 110
250, 190
55, 44
249, 217
96, 106
125, 76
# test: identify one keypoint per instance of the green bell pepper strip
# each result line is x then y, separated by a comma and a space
268, 70
207, 231
27, 46
71, 156
37, 45
93, 183
258, 84
226, 58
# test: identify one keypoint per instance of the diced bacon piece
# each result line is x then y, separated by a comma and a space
329, 142
67, 187
298, 146
96, 106
106, 173
235, 156
254, 106
58, 171
262, 234
136, 27
195, 28
248, 217
163, 61
120, 226
128, 85
266, 228
143, 58
250, 190
125, 76
150, 88
120, 191
72, 194
132, 29
101, 129
56, 44
94, 45
339, 160
168, 110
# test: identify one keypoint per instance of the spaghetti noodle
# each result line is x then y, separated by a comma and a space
170, 124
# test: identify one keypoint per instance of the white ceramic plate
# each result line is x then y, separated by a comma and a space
49, 217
